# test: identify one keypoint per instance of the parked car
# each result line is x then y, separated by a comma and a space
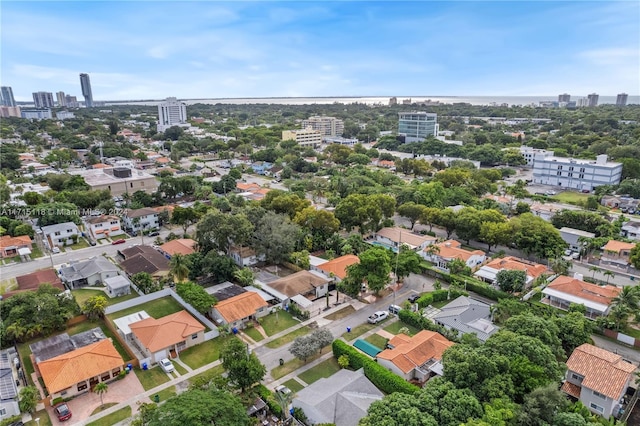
118, 242
62, 411
166, 365
413, 298
283, 390
154, 234
92, 242
394, 309
378, 316
55, 250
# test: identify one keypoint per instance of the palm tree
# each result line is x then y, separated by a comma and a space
244, 276
179, 268
594, 269
628, 298
609, 275
101, 388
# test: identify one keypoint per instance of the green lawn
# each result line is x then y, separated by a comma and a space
342, 313
630, 331
360, 330
210, 373
394, 328
25, 352
156, 308
8, 285
167, 393
152, 377
324, 369
103, 407
44, 419
277, 322
85, 293
290, 337
293, 365
294, 385
253, 333
180, 369
377, 340
570, 197
36, 253
204, 353
440, 304
82, 243
113, 418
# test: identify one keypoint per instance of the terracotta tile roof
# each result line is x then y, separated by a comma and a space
617, 246
182, 246
163, 160
33, 280
103, 218
8, 241
603, 371
513, 263
452, 249
338, 266
247, 187
240, 306
101, 166
419, 349
162, 208
243, 251
575, 287
404, 236
571, 389
68, 369
158, 334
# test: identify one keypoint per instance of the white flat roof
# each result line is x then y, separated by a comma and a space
123, 323
302, 301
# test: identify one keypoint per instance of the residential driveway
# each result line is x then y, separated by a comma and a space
82, 406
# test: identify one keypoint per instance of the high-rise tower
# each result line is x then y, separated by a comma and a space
85, 84
171, 112
565, 97
7, 96
43, 99
621, 99
593, 99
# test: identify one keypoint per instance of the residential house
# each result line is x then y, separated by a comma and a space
441, 254
8, 390
117, 286
563, 291
144, 259
237, 311
617, 252
336, 269
167, 336
80, 370
103, 226
225, 290
543, 210
467, 315
631, 230
573, 237
599, 379
88, 272
489, 272
140, 219
415, 358
341, 399
15, 246
33, 280
61, 234
395, 237
301, 288
183, 246
245, 256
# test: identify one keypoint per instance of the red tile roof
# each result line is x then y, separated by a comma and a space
338, 266
513, 263
575, 287
241, 306
183, 246
411, 352
158, 334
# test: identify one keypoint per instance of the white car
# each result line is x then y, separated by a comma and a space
166, 365
283, 390
378, 316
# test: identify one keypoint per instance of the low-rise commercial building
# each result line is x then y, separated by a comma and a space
574, 173
303, 137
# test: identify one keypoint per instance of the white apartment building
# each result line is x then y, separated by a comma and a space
171, 113
529, 153
304, 137
141, 219
575, 174
36, 114
327, 126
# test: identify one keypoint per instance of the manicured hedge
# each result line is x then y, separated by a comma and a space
384, 379
439, 296
472, 284
416, 320
270, 400
425, 300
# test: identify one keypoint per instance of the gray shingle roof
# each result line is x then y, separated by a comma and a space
87, 268
467, 316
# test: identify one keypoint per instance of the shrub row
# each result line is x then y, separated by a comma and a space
384, 379
472, 284
270, 400
418, 321
439, 296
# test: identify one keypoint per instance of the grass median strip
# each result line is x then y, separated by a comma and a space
294, 385
113, 418
342, 313
359, 331
290, 337
151, 378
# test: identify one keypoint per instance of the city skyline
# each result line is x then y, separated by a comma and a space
281, 49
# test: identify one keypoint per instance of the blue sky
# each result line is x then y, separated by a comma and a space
155, 49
